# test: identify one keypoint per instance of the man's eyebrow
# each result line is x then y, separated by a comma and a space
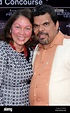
47, 22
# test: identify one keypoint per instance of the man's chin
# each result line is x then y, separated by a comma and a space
43, 43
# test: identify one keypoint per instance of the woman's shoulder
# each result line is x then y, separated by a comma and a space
2, 43
3, 46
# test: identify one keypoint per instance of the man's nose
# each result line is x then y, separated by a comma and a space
41, 28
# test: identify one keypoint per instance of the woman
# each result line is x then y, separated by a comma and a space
16, 59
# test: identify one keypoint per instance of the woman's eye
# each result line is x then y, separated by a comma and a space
17, 27
28, 28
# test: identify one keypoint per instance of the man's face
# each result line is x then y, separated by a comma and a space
44, 28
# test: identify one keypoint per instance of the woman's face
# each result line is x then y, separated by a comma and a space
21, 31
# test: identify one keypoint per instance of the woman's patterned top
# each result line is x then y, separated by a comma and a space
15, 75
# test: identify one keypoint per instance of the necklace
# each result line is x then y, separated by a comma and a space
24, 48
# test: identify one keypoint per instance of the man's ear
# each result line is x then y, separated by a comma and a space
57, 25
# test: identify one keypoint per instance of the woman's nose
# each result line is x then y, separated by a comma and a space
22, 31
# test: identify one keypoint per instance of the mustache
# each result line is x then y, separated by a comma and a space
42, 33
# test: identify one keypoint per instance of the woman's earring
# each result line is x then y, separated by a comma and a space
10, 31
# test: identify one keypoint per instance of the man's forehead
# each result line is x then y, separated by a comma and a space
41, 22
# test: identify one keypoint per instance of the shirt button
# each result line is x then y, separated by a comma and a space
39, 74
34, 73
38, 99
42, 62
34, 95
46, 84
36, 86
46, 62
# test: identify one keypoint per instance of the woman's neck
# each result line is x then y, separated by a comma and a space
16, 47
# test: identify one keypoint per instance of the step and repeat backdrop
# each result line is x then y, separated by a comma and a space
7, 7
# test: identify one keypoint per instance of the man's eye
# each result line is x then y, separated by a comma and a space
45, 24
35, 26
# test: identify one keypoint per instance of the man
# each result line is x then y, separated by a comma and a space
50, 84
